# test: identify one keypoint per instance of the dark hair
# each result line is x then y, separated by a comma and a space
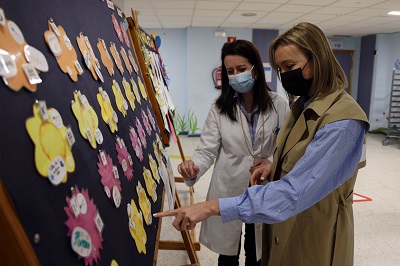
261, 98
312, 42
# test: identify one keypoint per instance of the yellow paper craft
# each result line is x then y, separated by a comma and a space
129, 94
122, 105
135, 90
150, 184
105, 57
126, 60
87, 118
14, 47
62, 48
53, 156
142, 88
107, 111
144, 203
136, 227
117, 58
153, 167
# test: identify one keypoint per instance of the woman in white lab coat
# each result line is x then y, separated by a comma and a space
240, 129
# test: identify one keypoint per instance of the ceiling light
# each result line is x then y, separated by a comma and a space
249, 14
220, 34
394, 13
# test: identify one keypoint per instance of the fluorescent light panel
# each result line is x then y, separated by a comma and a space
394, 13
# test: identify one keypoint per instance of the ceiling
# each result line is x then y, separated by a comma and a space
334, 17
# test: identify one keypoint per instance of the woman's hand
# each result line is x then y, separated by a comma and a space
188, 169
187, 217
260, 171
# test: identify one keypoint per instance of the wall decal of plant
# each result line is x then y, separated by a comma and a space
181, 124
192, 122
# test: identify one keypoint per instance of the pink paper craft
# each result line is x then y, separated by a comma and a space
142, 134
151, 118
87, 222
172, 129
146, 122
123, 158
107, 175
125, 35
136, 145
116, 27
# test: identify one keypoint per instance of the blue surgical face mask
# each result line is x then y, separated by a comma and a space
242, 82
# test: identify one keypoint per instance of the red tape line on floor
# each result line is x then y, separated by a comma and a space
360, 198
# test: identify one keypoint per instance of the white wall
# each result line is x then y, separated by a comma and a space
355, 45
387, 46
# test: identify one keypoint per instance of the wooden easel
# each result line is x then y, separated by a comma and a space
188, 238
15, 248
189, 244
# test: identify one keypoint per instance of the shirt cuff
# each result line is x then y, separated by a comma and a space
190, 182
228, 209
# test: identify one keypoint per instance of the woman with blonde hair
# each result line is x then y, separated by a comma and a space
306, 206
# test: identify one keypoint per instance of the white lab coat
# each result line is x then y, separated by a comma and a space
222, 140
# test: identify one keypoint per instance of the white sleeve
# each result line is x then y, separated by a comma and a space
209, 145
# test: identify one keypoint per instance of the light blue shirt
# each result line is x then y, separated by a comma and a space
252, 124
329, 160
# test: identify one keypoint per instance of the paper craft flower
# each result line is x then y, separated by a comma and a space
105, 56
151, 119
146, 122
125, 35
150, 184
153, 168
136, 145
133, 62
87, 118
61, 46
129, 94
116, 27
107, 111
53, 156
160, 144
124, 158
86, 239
142, 88
136, 228
135, 90
122, 105
91, 62
126, 60
117, 57
141, 133
157, 153
144, 203
109, 178
12, 46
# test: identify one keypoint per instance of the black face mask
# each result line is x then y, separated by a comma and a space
294, 83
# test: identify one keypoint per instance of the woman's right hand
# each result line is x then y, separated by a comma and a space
260, 171
188, 169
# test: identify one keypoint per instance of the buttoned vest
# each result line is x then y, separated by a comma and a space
324, 233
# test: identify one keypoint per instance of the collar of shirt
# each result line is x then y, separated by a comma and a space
305, 101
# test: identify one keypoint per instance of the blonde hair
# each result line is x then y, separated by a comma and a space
312, 42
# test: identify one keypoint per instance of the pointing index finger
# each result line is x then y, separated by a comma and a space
166, 213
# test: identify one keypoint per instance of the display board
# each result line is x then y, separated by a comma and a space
81, 156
